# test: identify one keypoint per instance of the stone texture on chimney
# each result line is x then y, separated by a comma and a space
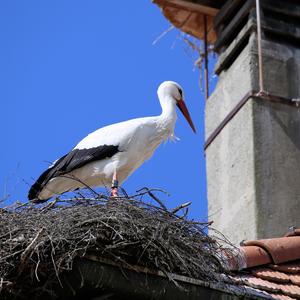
253, 165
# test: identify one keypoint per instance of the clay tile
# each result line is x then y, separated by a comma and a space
256, 256
293, 232
295, 279
281, 297
292, 267
265, 285
269, 274
281, 250
261, 284
290, 290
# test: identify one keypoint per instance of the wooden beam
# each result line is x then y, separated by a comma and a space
285, 30
233, 50
189, 6
229, 31
227, 9
282, 7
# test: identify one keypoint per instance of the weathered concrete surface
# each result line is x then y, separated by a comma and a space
277, 168
253, 166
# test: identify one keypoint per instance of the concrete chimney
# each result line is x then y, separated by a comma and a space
253, 139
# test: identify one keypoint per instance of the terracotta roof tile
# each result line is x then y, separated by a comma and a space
274, 279
281, 250
272, 266
261, 284
282, 297
275, 288
292, 267
276, 276
293, 232
256, 256
295, 279
269, 274
290, 290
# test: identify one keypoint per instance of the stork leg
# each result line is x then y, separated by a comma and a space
114, 186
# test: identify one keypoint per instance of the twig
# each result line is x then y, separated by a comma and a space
69, 176
19, 205
124, 192
94, 220
4, 282
11, 255
163, 34
185, 213
31, 246
181, 206
149, 192
50, 204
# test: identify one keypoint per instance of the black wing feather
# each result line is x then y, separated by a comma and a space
75, 159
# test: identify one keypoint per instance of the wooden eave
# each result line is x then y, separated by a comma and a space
189, 17
94, 277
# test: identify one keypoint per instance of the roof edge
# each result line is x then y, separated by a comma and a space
189, 6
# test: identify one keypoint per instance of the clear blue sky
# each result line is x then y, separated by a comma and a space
69, 67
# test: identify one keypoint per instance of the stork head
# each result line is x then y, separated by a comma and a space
171, 90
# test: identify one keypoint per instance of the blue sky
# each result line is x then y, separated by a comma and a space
69, 67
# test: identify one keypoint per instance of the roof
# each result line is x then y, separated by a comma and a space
271, 266
262, 269
109, 251
188, 16
116, 280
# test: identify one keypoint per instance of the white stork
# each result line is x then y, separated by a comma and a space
110, 154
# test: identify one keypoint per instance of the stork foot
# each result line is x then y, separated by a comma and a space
114, 192
114, 189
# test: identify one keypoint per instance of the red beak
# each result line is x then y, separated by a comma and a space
181, 105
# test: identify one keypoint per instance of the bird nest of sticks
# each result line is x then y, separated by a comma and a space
40, 242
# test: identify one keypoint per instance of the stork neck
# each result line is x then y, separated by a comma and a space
168, 106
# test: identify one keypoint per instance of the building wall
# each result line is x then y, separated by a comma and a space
253, 166
277, 144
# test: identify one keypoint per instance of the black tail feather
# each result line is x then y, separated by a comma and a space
75, 159
36, 188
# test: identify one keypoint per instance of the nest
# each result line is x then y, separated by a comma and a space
40, 242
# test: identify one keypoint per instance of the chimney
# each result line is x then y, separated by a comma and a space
253, 120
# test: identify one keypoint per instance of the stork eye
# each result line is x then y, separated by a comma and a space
180, 92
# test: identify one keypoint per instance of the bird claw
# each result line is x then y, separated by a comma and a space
114, 192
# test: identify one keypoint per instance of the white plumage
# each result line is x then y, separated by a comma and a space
114, 151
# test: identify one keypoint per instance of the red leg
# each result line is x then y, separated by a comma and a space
114, 186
